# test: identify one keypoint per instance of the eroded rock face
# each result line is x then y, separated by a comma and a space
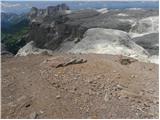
4, 50
30, 48
49, 11
146, 25
48, 28
150, 42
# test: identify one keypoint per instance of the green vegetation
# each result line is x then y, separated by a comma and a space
14, 41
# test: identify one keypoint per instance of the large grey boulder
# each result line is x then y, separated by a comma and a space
109, 41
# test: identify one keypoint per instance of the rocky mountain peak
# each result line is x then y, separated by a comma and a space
49, 11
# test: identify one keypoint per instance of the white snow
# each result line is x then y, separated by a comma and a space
103, 10
135, 9
122, 14
68, 11
127, 20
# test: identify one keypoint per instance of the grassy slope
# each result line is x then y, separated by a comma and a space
14, 41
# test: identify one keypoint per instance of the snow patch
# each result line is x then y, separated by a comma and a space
68, 11
135, 9
122, 14
103, 10
127, 20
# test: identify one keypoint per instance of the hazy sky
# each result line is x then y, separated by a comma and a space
19, 7
79, 0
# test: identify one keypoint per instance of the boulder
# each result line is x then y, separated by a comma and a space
30, 48
109, 41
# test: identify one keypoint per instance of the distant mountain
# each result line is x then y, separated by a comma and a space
13, 29
11, 22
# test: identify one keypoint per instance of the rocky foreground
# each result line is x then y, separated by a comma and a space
78, 86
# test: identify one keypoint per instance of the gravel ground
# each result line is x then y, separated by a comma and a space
105, 86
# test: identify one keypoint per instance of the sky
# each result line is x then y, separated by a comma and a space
19, 7
80, 0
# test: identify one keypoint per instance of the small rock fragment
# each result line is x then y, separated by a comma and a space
146, 105
41, 111
58, 97
75, 78
119, 87
98, 77
27, 105
59, 65
90, 81
74, 88
56, 75
21, 98
70, 62
126, 61
106, 97
33, 115
133, 76
118, 76
155, 102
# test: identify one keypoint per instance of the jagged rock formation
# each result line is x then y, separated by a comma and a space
50, 11
58, 29
52, 26
48, 23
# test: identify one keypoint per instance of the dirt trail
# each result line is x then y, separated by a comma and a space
100, 88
